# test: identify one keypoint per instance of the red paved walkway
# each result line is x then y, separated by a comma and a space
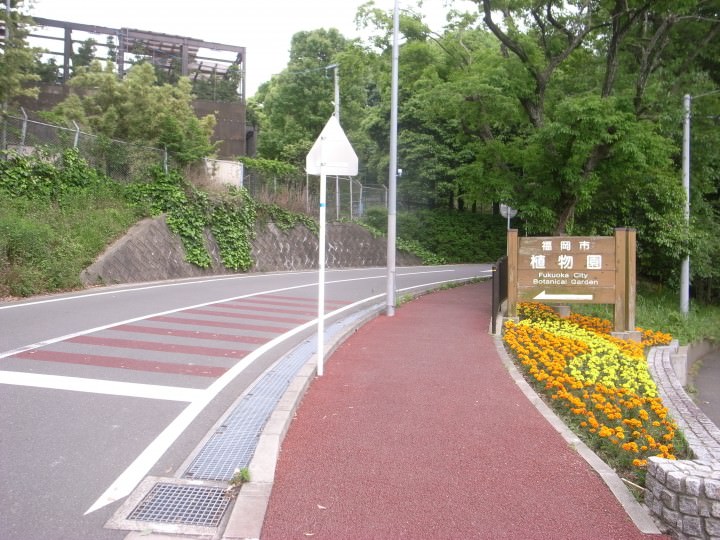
416, 430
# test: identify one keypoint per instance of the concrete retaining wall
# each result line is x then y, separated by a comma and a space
151, 252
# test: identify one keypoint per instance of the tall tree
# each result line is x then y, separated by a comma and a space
298, 102
84, 56
137, 109
624, 45
17, 58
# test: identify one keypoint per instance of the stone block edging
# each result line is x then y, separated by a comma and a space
702, 434
685, 494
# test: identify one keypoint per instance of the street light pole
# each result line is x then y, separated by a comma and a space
685, 268
336, 79
392, 175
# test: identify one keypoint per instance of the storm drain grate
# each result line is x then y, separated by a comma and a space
232, 446
182, 504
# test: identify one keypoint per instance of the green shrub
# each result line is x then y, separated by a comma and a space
455, 237
56, 216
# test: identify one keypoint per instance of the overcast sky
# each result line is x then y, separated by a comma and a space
263, 27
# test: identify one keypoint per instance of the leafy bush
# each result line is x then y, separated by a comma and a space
190, 212
455, 237
285, 219
56, 215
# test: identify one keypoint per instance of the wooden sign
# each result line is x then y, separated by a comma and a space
574, 269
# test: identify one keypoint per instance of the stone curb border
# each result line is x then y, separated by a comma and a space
702, 434
637, 512
684, 494
248, 513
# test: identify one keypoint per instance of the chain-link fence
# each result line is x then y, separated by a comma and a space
346, 197
118, 160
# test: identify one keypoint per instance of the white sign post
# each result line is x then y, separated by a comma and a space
332, 154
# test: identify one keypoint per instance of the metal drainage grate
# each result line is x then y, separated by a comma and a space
188, 505
232, 446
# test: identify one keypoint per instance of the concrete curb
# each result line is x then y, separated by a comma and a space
248, 512
637, 512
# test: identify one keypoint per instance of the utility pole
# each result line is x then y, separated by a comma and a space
336, 78
685, 267
392, 176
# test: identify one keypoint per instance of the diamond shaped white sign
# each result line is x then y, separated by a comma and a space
332, 152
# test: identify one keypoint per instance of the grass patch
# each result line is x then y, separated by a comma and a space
45, 245
659, 308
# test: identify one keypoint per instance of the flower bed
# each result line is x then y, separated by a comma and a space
599, 384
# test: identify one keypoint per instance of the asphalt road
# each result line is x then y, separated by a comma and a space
102, 388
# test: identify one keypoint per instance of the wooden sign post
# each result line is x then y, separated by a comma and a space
562, 270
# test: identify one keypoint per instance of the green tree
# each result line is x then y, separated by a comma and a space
111, 49
219, 87
17, 58
84, 55
298, 102
137, 109
48, 72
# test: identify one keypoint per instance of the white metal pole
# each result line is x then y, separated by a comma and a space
685, 268
321, 276
350, 183
337, 91
336, 78
392, 176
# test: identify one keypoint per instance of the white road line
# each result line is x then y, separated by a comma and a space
100, 386
136, 319
138, 469
132, 289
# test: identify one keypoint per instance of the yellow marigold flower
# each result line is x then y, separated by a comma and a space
630, 447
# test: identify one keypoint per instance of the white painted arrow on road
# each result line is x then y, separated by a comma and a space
545, 296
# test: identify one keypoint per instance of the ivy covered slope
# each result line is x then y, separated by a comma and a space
229, 215
58, 213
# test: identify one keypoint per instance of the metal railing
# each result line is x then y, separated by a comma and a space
499, 288
346, 197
